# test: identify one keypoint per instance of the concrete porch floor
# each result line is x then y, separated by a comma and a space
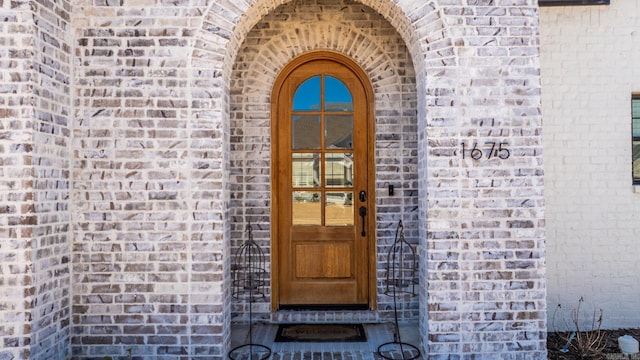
377, 334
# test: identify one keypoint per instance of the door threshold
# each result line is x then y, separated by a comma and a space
301, 314
314, 307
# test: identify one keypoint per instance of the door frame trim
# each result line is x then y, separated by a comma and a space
275, 176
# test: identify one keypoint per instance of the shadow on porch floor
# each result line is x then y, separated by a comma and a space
377, 334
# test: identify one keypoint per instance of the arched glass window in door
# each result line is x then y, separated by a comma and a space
322, 153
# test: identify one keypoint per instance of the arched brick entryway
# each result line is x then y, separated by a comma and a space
480, 222
382, 55
257, 58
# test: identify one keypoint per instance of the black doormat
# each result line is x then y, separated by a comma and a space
321, 333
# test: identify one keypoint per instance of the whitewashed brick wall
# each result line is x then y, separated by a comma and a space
590, 58
131, 116
51, 163
151, 152
485, 219
16, 199
35, 103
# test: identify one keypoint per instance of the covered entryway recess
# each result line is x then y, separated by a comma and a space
323, 211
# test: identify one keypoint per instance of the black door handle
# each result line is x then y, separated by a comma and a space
363, 214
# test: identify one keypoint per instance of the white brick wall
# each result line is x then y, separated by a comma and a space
590, 67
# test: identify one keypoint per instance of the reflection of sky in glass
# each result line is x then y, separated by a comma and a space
336, 95
307, 95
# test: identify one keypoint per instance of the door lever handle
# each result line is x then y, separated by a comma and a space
363, 214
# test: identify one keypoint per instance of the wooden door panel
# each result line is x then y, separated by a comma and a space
317, 233
340, 293
323, 261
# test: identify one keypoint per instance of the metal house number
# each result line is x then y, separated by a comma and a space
492, 149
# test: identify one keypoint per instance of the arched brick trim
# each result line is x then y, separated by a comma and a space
420, 24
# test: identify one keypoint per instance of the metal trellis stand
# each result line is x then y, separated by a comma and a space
249, 276
401, 280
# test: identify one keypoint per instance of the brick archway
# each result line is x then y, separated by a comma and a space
477, 77
380, 52
218, 31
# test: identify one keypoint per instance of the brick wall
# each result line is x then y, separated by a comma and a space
150, 258
35, 276
477, 78
16, 179
148, 140
589, 58
51, 157
484, 235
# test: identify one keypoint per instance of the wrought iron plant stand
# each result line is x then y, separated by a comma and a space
401, 280
249, 274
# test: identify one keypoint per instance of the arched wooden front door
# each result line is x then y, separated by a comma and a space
323, 236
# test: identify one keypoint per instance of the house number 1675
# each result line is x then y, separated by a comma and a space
491, 149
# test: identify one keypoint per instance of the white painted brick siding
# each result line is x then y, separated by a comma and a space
589, 65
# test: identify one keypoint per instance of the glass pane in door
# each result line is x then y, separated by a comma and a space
322, 179
306, 132
307, 96
339, 169
306, 169
339, 208
306, 208
337, 96
338, 130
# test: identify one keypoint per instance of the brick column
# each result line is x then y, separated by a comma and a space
484, 211
34, 177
